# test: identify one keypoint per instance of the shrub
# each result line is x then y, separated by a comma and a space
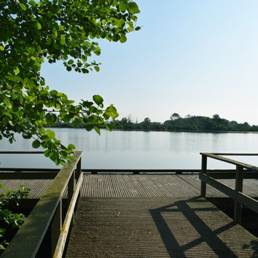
10, 219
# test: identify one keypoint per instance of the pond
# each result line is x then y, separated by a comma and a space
134, 149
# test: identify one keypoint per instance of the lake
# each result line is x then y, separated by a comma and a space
121, 149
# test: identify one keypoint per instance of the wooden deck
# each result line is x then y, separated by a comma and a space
135, 186
153, 216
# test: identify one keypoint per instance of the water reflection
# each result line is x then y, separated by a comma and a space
120, 149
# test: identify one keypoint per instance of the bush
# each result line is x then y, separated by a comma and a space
10, 220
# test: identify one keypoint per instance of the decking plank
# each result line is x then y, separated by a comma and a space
153, 216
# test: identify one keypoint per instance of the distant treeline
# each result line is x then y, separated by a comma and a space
178, 123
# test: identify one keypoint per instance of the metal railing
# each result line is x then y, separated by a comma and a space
45, 230
242, 171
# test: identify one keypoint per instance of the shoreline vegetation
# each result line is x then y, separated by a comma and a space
176, 123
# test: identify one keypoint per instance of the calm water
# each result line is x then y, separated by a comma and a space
119, 149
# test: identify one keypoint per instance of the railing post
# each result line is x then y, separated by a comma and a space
203, 171
78, 169
71, 187
78, 172
56, 227
238, 188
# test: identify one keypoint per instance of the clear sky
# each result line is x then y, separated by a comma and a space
197, 57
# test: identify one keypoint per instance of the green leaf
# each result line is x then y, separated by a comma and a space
98, 100
50, 134
38, 26
85, 70
71, 147
2, 48
55, 34
97, 130
36, 144
16, 70
133, 8
62, 39
111, 111
97, 51
23, 6
123, 6
97, 69
87, 103
7, 103
123, 39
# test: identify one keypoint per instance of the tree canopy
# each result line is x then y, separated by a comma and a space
185, 124
35, 31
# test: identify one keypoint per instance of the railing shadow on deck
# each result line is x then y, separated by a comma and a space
254, 246
206, 234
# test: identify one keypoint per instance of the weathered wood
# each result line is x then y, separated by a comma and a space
232, 175
242, 198
36, 170
38, 222
152, 216
203, 171
234, 154
158, 171
154, 171
239, 179
230, 161
239, 198
138, 186
35, 174
67, 222
238, 188
21, 152
71, 184
78, 170
55, 228
27, 175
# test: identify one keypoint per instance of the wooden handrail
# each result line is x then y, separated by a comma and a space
35, 173
21, 152
67, 222
46, 216
243, 170
242, 198
234, 154
230, 161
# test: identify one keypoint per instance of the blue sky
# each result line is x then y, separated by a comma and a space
197, 57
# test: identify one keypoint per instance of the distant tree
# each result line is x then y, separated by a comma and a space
216, 117
189, 123
174, 116
146, 120
35, 31
146, 124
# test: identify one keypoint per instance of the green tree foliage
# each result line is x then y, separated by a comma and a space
174, 116
189, 123
35, 31
10, 219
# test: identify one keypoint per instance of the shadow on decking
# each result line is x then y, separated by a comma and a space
249, 217
206, 234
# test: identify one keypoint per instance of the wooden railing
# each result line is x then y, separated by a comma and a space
45, 230
146, 171
48, 173
242, 171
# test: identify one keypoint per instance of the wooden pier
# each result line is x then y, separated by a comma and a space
153, 216
128, 215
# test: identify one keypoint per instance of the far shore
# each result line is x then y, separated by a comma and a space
176, 131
